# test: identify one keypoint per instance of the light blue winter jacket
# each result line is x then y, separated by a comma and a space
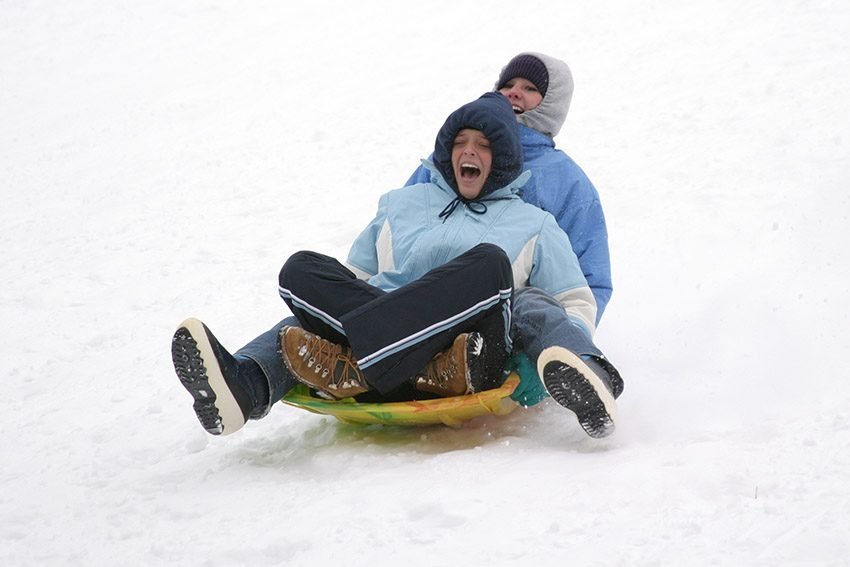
407, 238
558, 185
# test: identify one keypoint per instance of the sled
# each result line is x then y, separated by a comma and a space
447, 411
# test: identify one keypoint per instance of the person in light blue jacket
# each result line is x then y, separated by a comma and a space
439, 261
420, 230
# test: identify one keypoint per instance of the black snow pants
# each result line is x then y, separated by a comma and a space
394, 334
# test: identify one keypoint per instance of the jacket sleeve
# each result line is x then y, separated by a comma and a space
557, 270
371, 251
421, 175
580, 215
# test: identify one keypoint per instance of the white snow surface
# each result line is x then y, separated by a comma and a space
160, 160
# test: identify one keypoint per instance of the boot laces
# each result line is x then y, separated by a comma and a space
441, 369
330, 359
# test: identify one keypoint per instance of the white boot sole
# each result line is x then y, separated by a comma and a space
560, 354
229, 413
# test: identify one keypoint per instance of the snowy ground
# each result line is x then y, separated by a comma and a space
160, 160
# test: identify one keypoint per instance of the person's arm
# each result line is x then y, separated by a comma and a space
592, 252
557, 271
371, 251
578, 210
421, 175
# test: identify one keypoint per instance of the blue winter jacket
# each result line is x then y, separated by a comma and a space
559, 186
407, 238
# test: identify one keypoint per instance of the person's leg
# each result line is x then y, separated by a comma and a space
573, 370
540, 322
264, 352
227, 391
395, 335
230, 388
319, 290
400, 332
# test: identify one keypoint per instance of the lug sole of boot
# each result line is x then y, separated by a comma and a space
575, 386
199, 372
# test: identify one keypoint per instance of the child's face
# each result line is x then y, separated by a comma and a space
522, 94
471, 161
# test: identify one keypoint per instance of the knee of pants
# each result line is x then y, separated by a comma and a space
297, 264
532, 297
492, 256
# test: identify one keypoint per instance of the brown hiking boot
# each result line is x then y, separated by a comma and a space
447, 374
326, 367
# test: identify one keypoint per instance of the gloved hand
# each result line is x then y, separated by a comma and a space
530, 390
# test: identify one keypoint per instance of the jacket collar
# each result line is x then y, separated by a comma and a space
533, 142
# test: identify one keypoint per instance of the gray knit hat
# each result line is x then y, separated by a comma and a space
550, 115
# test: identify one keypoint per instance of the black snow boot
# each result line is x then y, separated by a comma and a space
583, 387
227, 391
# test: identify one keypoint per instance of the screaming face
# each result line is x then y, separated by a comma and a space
472, 159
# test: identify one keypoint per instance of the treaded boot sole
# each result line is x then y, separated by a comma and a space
215, 405
575, 386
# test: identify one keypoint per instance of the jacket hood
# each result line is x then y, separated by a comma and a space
492, 115
550, 114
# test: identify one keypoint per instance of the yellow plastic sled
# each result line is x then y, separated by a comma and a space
447, 411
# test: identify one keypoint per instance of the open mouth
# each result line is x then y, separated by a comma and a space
517, 110
469, 171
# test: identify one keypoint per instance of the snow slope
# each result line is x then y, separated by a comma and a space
160, 160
